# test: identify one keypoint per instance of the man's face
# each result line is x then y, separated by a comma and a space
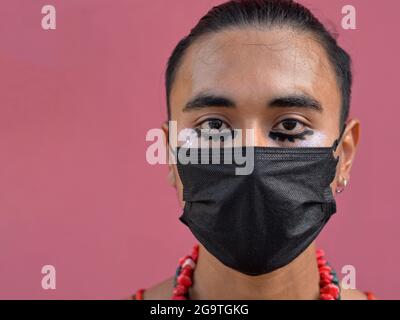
278, 83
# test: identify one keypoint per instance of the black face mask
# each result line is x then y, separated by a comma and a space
259, 222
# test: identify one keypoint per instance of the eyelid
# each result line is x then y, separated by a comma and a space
294, 116
301, 122
212, 117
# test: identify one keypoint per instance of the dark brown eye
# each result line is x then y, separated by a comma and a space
214, 128
290, 129
289, 124
215, 123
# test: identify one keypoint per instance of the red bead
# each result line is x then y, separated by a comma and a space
325, 274
187, 271
325, 269
179, 298
325, 279
184, 280
320, 253
195, 253
370, 296
189, 263
331, 289
326, 296
180, 290
321, 262
323, 282
182, 260
139, 294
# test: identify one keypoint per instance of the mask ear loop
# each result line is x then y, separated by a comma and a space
337, 141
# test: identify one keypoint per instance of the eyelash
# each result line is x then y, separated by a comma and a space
275, 135
290, 137
221, 136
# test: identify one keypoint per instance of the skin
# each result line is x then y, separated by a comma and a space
252, 67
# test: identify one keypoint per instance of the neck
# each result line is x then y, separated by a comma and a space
212, 280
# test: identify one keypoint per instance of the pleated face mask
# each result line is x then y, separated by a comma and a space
261, 220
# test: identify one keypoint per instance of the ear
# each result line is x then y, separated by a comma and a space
171, 174
347, 150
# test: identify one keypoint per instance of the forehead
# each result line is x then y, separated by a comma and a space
251, 65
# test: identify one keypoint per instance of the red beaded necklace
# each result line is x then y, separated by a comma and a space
329, 283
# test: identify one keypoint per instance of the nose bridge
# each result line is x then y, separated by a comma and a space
254, 133
260, 137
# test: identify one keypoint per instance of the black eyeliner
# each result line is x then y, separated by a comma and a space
223, 135
290, 137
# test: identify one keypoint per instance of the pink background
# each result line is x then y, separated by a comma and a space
76, 191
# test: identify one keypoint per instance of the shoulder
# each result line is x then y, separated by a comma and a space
159, 291
354, 294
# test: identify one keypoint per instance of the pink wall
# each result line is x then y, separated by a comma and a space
75, 105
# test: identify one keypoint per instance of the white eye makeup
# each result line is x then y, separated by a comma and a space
318, 139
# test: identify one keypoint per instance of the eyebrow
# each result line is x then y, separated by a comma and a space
205, 100
296, 101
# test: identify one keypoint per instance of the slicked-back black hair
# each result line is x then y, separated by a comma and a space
268, 13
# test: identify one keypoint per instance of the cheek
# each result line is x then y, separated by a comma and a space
333, 188
179, 187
